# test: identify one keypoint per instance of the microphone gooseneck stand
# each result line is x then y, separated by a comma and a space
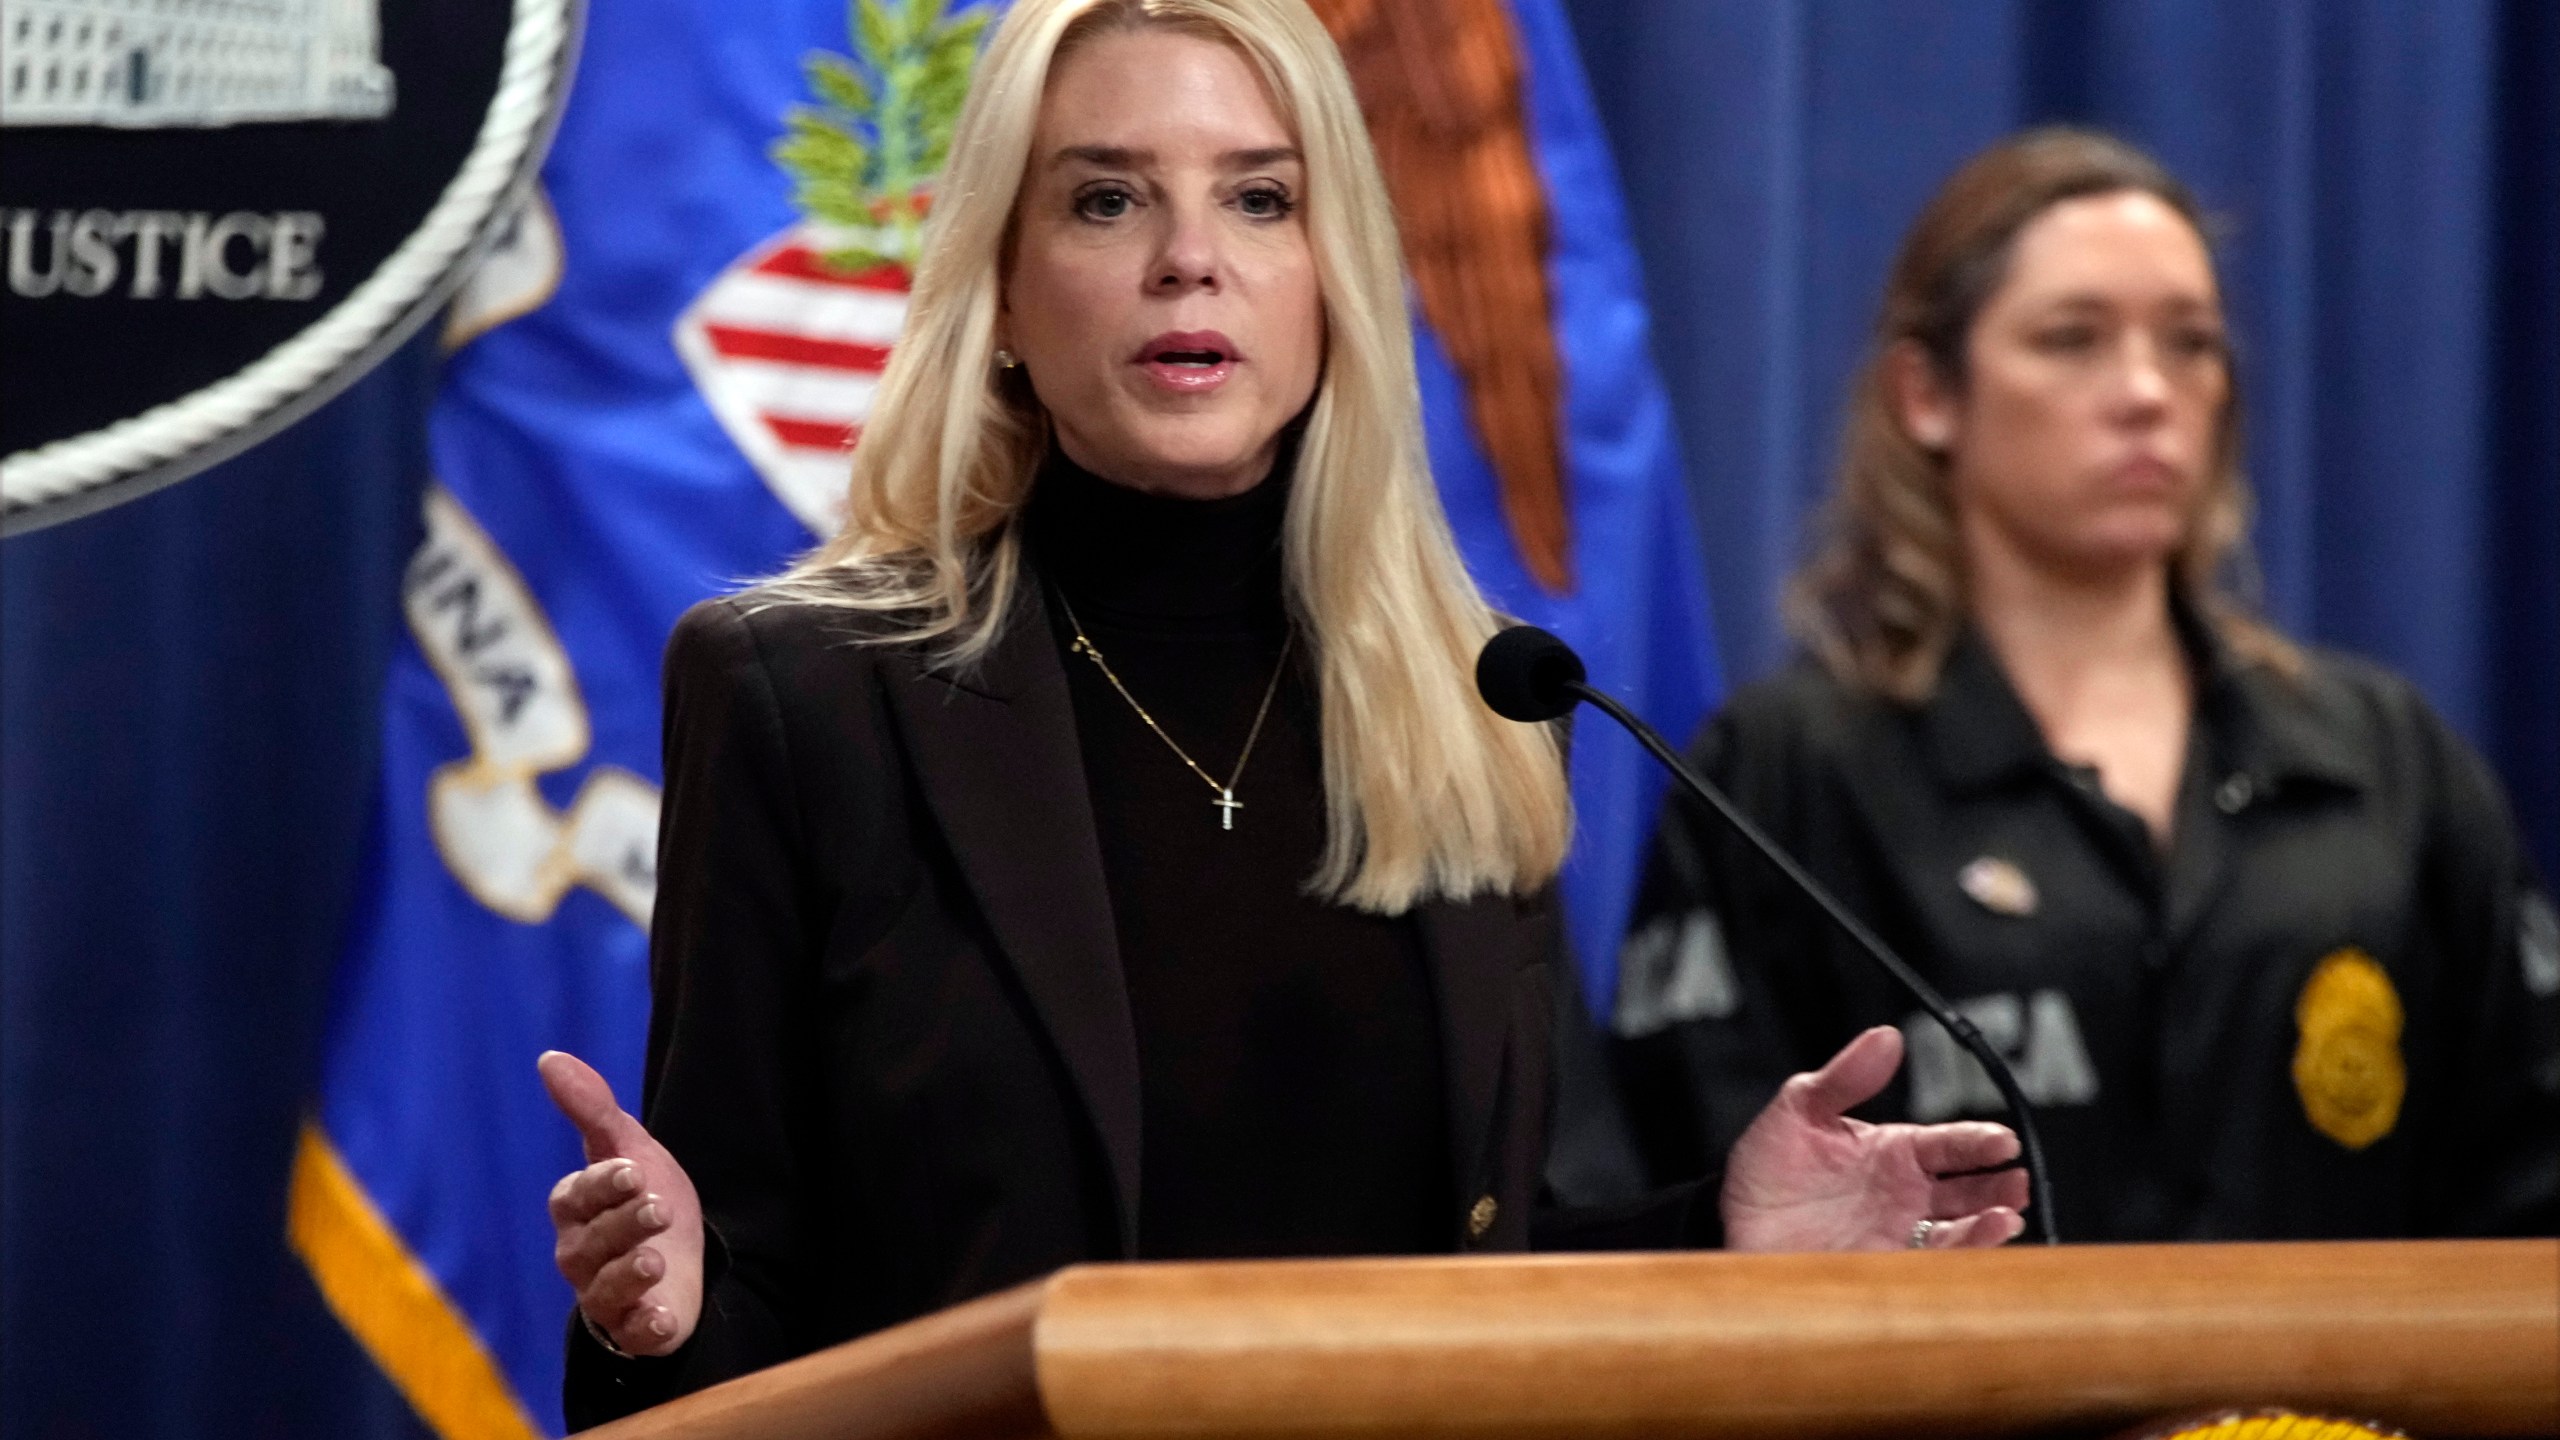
1529, 675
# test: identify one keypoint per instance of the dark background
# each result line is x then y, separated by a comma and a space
188, 683
189, 720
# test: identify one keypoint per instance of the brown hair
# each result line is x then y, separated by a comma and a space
1883, 597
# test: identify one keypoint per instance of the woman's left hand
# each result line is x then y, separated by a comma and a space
1807, 1177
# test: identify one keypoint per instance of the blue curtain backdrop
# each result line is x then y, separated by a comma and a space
189, 719
2388, 175
189, 685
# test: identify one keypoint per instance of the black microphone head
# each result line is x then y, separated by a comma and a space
1524, 673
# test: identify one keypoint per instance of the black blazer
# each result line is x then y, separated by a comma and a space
890, 1038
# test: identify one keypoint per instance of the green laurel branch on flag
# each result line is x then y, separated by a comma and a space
862, 159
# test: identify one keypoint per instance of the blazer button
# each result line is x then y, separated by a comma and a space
1480, 1217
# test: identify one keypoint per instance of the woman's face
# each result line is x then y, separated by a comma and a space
2084, 434
1160, 292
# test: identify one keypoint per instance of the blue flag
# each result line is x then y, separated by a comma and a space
1636, 607
647, 400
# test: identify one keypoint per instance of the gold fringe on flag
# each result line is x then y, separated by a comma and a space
393, 1306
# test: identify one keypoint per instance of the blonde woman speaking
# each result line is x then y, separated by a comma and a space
1097, 849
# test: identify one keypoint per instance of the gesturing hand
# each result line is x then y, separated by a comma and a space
1807, 1177
630, 1229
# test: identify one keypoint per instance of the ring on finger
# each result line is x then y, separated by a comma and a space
1920, 1233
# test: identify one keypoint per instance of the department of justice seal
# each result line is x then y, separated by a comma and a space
218, 215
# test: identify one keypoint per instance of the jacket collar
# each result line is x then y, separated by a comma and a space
2258, 723
995, 754
2267, 726
1977, 732
997, 757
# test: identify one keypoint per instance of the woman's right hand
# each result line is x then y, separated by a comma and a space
629, 1226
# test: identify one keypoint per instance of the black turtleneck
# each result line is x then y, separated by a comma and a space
1288, 1049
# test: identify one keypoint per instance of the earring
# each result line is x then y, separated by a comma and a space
1006, 359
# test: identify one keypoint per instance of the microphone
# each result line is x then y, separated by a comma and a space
1528, 675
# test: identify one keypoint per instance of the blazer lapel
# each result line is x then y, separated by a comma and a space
996, 755
1473, 950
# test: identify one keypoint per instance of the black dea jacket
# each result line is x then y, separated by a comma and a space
2331, 1010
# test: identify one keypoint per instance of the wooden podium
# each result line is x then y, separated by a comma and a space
2440, 1338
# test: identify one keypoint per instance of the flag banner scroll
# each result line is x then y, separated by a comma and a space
651, 388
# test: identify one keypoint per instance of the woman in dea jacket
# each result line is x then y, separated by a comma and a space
2250, 923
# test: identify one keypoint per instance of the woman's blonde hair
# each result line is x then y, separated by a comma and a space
1428, 793
1884, 595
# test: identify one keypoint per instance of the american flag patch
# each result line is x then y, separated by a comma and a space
787, 350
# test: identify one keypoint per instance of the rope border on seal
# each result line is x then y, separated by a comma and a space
324, 357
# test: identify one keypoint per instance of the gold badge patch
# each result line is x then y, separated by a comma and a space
2348, 1067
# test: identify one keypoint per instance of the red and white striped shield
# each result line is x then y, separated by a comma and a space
787, 351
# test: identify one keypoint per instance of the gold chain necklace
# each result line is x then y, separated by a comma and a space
1226, 802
